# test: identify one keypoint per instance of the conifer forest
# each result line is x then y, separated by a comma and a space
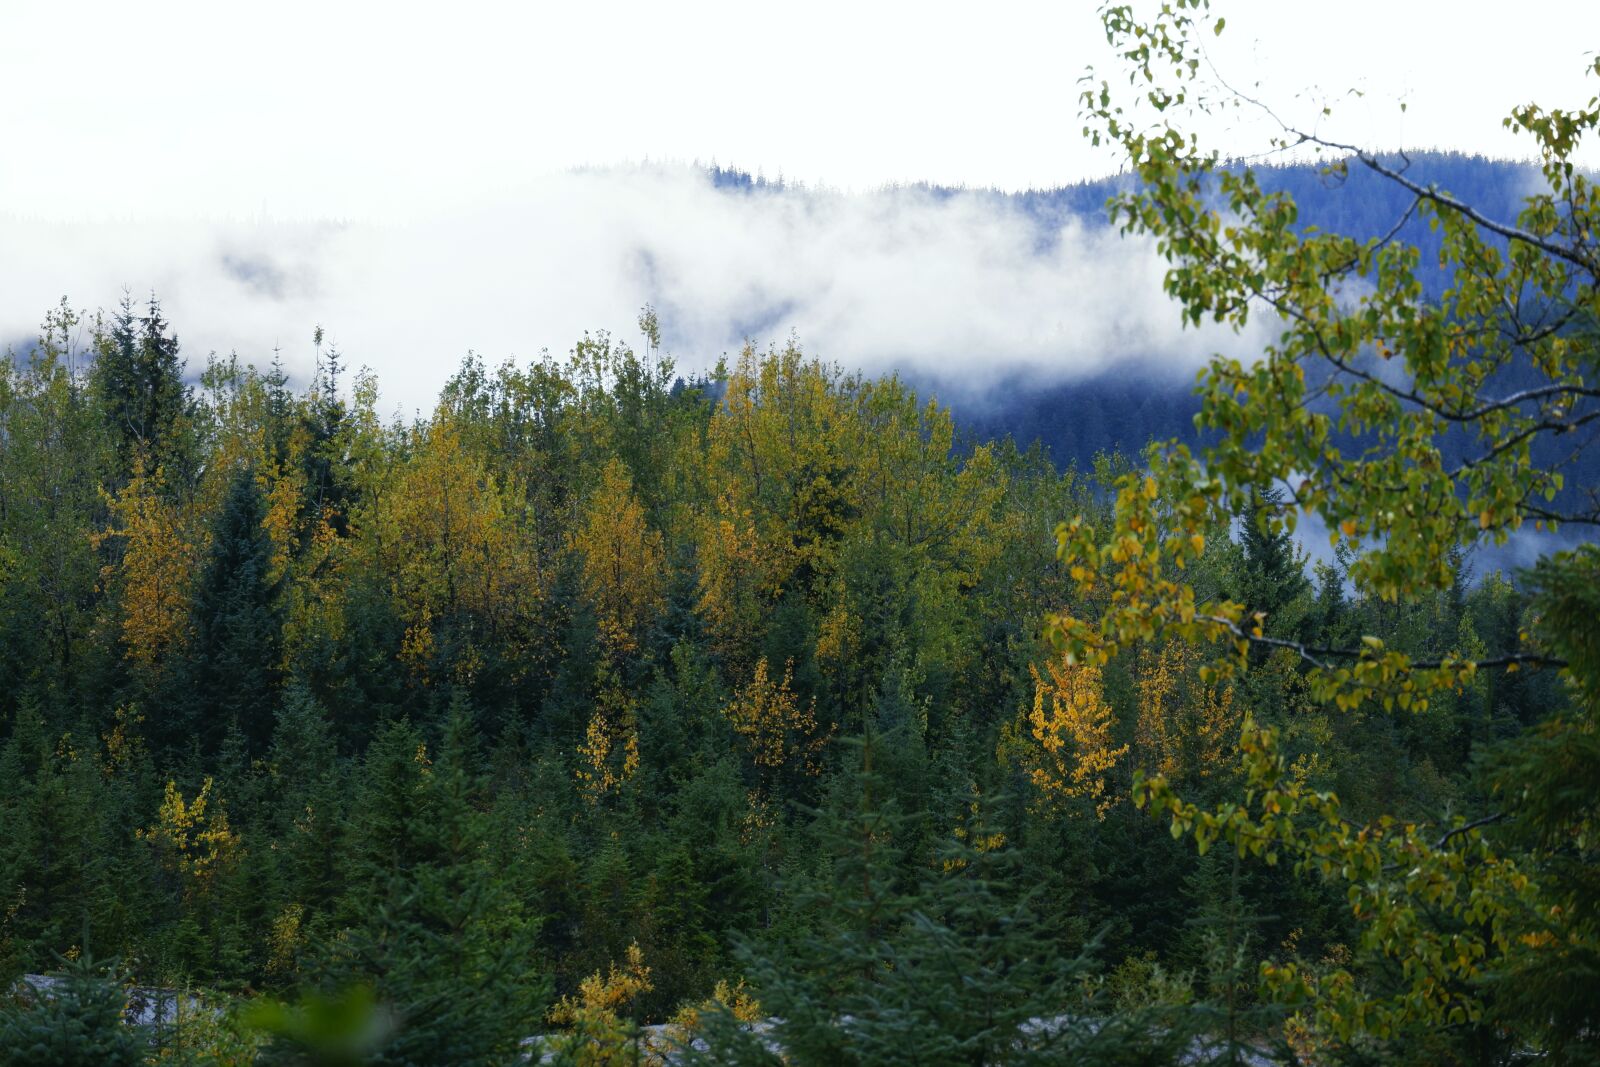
630, 707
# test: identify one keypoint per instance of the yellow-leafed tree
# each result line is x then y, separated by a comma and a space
778, 730
314, 595
158, 548
597, 1032
609, 752
192, 837
1065, 739
781, 465
1185, 726
624, 565
735, 582
451, 538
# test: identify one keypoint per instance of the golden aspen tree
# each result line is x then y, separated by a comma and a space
283, 490
1158, 684
1214, 723
734, 583
123, 746
778, 730
192, 837
624, 577
974, 833
838, 636
285, 940
1067, 746
736, 999
609, 753
447, 534
314, 590
1185, 725
758, 822
781, 457
598, 1035
624, 565
162, 547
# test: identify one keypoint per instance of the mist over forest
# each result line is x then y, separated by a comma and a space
662, 614
1024, 310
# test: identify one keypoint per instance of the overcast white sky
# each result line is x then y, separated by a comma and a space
446, 134
363, 110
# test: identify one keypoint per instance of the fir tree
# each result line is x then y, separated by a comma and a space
233, 659
138, 378
1273, 578
307, 824
325, 421
74, 1023
921, 959
436, 932
1549, 783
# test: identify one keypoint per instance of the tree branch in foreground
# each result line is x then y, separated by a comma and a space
1317, 655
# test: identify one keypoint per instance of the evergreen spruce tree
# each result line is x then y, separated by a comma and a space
1222, 943
1548, 781
916, 959
435, 931
823, 980
61, 865
76, 1022
232, 669
325, 421
306, 824
1331, 622
138, 378
1273, 579
280, 409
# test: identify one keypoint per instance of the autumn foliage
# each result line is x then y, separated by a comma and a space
765, 691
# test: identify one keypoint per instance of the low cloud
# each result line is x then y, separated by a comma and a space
959, 287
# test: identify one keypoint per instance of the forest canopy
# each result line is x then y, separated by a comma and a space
766, 713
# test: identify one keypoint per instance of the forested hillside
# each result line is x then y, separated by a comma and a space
1139, 399
768, 713
587, 674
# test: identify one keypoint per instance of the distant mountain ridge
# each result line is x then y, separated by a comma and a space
1124, 408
